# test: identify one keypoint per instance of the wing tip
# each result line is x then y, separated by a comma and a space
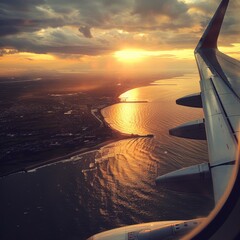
210, 36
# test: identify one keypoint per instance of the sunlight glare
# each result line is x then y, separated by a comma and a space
131, 55
131, 95
137, 55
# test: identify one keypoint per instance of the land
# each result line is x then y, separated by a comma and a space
46, 119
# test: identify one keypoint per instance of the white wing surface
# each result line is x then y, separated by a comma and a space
220, 91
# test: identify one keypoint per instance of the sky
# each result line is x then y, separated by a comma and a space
57, 36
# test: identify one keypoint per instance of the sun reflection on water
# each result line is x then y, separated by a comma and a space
131, 95
128, 116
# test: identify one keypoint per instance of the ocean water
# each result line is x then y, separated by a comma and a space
115, 185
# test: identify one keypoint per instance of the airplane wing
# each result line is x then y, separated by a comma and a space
220, 100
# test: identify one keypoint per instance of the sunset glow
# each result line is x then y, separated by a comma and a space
132, 55
34, 56
106, 37
135, 55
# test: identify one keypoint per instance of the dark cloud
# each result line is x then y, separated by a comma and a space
11, 30
20, 5
171, 8
26, 21
23, 45
52, 26
86, 31
15, 26
206, 7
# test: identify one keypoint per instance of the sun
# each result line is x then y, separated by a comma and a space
131, 55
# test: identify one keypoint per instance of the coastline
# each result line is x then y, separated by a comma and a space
60, 121
116, 136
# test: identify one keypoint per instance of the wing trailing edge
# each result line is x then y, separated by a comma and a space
210, 36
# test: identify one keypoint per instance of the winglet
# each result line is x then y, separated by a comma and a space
210, 36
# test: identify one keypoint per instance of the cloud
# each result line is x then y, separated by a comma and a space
7, 52
19, 5
23, 45
86, 31
170, 8
52, 26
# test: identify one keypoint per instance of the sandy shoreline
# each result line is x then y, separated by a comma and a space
104, 134
117, 137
